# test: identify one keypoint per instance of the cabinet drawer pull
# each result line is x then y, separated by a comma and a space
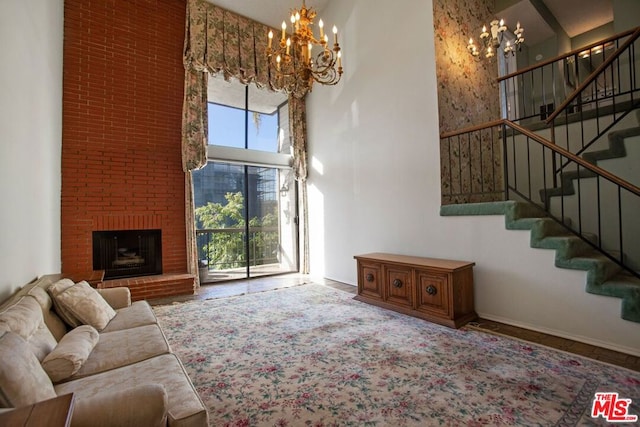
432, 290
397, 283
369, 277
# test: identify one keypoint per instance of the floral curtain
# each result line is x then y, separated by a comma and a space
192, 248
298, 131
220, 41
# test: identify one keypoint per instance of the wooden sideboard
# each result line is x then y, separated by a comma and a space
437, 290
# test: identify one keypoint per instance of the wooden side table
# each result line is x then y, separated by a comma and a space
54, 412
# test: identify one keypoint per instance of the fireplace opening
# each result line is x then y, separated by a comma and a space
127, 253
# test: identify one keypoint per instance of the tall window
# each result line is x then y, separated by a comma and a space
245, 199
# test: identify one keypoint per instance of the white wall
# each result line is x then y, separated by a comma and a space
374, 183
626, 13
30, 139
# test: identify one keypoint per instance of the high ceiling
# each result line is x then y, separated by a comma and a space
579, 16
575, 16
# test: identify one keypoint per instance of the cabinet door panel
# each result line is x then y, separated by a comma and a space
432, 293
398, 285
370, 280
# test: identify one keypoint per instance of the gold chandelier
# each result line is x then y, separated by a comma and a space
490, 41
295, 62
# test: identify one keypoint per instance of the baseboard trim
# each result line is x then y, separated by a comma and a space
622, 349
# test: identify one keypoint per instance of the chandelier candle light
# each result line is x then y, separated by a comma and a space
293, 59
491, 41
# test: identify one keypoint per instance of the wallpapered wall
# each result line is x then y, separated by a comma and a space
468, 95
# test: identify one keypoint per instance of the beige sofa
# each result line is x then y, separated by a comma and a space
122, 372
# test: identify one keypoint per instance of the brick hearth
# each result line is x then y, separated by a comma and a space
154, 286
122, 110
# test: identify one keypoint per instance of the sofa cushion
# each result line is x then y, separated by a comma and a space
71, 353
183, 403
51, 319
56, 289
86, 304
121, 348
23, 317
22, 379
118, 297
143, 405
137, 314
42, 342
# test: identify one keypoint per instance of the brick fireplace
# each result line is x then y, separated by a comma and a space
127, 253
122, 109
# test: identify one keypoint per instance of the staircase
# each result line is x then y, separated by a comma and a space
616, 149
620, 158
569, 191
604, 277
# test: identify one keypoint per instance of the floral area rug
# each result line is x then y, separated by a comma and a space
312, 356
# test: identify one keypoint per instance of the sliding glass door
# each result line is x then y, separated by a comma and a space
245, 198
272, 227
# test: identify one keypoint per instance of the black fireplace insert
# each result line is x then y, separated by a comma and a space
127, 253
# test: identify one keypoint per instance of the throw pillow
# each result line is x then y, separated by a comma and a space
22, 380
87, 305
56, 289
70, 353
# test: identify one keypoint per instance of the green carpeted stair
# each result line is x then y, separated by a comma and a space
604, 277
616, 149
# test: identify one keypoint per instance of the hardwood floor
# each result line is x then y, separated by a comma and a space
261, 284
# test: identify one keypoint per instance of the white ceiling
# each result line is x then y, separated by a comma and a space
579, 16
574, 16
535, 27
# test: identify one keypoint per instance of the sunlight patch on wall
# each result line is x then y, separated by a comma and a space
316, 231
355, 114
317, 165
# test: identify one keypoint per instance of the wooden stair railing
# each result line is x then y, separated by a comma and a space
594, 75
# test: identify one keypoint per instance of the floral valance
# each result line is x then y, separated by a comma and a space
220, 41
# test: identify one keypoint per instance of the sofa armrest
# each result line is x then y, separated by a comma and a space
143, 405
116, 297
